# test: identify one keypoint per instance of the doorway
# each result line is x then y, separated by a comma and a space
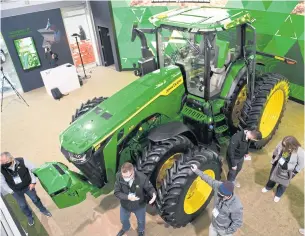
106, 46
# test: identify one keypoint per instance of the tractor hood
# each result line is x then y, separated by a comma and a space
101, 122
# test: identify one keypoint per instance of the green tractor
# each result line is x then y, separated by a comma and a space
200, 88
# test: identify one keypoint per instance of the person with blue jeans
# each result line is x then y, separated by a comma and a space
17, 178
132, 188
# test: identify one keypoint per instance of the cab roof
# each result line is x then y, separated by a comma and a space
202, 19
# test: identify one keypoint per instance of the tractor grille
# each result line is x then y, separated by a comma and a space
193, 114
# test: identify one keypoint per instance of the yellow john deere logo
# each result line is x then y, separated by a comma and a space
172, 87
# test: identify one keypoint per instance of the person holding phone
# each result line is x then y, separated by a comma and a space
131, 188
17, 178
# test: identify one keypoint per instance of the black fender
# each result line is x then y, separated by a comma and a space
168, 130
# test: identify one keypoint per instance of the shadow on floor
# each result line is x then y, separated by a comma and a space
108, 202
261, 176
86, 223
296, 198
202, 222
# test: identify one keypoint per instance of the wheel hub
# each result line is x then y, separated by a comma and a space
198, 193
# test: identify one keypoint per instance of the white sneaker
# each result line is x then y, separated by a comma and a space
237, 184
247, 157
301, 231
264, 190
277, 199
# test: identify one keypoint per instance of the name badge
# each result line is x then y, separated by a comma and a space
282, 161
215, 212
17, 179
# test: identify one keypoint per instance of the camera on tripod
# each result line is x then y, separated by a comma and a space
12, 86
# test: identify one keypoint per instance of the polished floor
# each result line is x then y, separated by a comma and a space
32, 132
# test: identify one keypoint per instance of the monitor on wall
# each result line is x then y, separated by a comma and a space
27, 53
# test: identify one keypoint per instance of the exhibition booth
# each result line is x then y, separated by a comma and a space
162, 86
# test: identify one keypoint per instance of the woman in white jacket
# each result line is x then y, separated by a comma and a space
290, 155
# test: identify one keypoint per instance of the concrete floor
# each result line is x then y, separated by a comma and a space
33, 132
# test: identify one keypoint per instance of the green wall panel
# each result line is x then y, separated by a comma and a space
278, 32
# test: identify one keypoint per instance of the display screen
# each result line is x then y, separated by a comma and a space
27, 53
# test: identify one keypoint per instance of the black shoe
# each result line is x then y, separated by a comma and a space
31, 221
141, 233
121, 233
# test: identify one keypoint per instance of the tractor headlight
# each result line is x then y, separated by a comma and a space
77, 158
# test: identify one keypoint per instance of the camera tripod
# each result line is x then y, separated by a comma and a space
12, 86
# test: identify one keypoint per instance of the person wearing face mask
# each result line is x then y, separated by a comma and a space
290, 156
227, 215
238, 150
18, 179
131, 188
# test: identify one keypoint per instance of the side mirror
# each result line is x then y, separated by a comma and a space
133, 31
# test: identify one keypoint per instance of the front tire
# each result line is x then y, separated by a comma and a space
266, 110
184, 195
158, 157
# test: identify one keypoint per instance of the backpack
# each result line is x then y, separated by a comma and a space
57, 95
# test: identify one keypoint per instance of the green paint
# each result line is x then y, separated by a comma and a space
91, 127
233, 72
223, 49
53, 182
297, 91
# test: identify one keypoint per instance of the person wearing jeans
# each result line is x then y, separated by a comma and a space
18, 179
140, 215
132, 188
289, 154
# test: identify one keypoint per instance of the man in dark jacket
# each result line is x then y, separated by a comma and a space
238, 148
131, 187
227, 215
18, 179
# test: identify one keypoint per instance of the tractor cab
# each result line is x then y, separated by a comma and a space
199, 41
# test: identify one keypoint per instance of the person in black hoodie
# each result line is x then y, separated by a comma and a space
238, 148
132, 188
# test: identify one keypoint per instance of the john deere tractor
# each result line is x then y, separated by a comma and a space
200, 87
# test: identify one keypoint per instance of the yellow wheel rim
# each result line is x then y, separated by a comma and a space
166, 165
272, 112
198, 193
238, 105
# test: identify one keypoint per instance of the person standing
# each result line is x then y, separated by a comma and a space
131, 188
290, 156
237, 151
227, 215
17, 178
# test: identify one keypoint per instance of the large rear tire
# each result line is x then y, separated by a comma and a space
85, 107
184, 195
266, 110
158, 157
236, 104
